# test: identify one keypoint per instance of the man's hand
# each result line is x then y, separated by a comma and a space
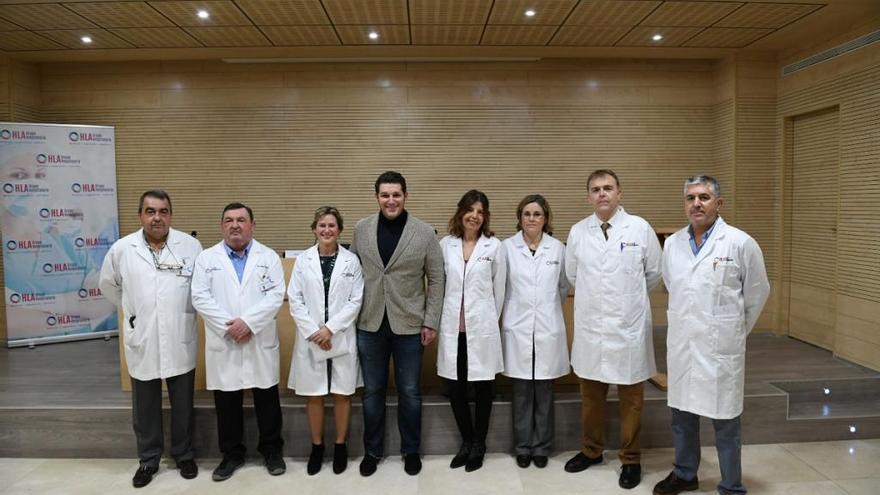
322, 338
428, 336
238, 331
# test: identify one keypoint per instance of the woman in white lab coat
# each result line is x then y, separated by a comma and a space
325, 294
469, 343
533, 328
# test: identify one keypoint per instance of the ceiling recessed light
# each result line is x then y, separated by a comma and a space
203, 14
657, 37
373, 35
852, 428
86, 39
530, 13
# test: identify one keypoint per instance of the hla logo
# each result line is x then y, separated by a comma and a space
76, 137
30, 297
62, 267
9, 188
65, 319
20, 135
85, 293
60, 213
27, 244
91, 242
77, 188
55, 159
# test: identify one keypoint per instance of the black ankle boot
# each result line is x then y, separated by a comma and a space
475, 459
316, 457
340, 457
461, 457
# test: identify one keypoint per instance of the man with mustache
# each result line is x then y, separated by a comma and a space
717, 287
147, 275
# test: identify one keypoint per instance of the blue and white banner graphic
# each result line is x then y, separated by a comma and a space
59, 219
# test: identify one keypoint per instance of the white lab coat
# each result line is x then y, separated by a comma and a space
715, 299
532, 320
613, 334
219, 297
305, 295
159, 330
483, 286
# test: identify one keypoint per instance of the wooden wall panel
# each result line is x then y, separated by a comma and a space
210, 134
856, 94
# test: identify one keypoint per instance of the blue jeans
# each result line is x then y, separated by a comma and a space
686, 437
375, 350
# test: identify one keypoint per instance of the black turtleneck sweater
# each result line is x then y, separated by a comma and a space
388, 234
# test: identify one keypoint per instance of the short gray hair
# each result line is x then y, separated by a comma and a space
705, 180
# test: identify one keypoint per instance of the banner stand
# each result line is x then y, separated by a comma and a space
59, 218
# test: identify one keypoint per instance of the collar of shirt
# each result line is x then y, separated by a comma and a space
696, 249
614, 220
233, 255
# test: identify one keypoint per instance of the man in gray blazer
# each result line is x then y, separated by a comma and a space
399, 316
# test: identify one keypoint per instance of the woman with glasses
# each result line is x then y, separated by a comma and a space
533, 328
325, 297
469, 352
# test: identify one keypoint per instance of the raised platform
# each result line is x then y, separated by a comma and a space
64, 400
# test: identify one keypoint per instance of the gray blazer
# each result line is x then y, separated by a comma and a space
400, 287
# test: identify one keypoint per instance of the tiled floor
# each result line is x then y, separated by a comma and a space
822, 468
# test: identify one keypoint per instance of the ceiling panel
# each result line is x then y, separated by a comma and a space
517, 35
367, 11
44, 16
167, 37
589, 36
15, 41
610, 13
101, 39
766, 15
672, 36
388, 35
727, 37
547, 12
449, 12
284, 12
183, 13
697, 14
446, 35
120, 14
301, 35
229, 36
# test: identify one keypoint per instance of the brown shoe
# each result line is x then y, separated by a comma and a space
673, 485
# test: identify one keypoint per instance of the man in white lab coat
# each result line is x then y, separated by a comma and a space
612, 259
147, 275
238, 286
717, 287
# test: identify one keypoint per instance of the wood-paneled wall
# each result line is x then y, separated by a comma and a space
851, 84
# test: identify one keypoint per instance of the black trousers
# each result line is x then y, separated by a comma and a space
230, 421
473, 429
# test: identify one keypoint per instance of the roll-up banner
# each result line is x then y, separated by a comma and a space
59, 219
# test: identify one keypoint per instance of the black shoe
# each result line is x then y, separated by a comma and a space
461, 457
188, 469
143, 476
475, 459
368, 465
275, 464
340, 457
540, 461
316, 457
674, 485
226, 468
630, 476
580, 462
523, 460
412, 464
